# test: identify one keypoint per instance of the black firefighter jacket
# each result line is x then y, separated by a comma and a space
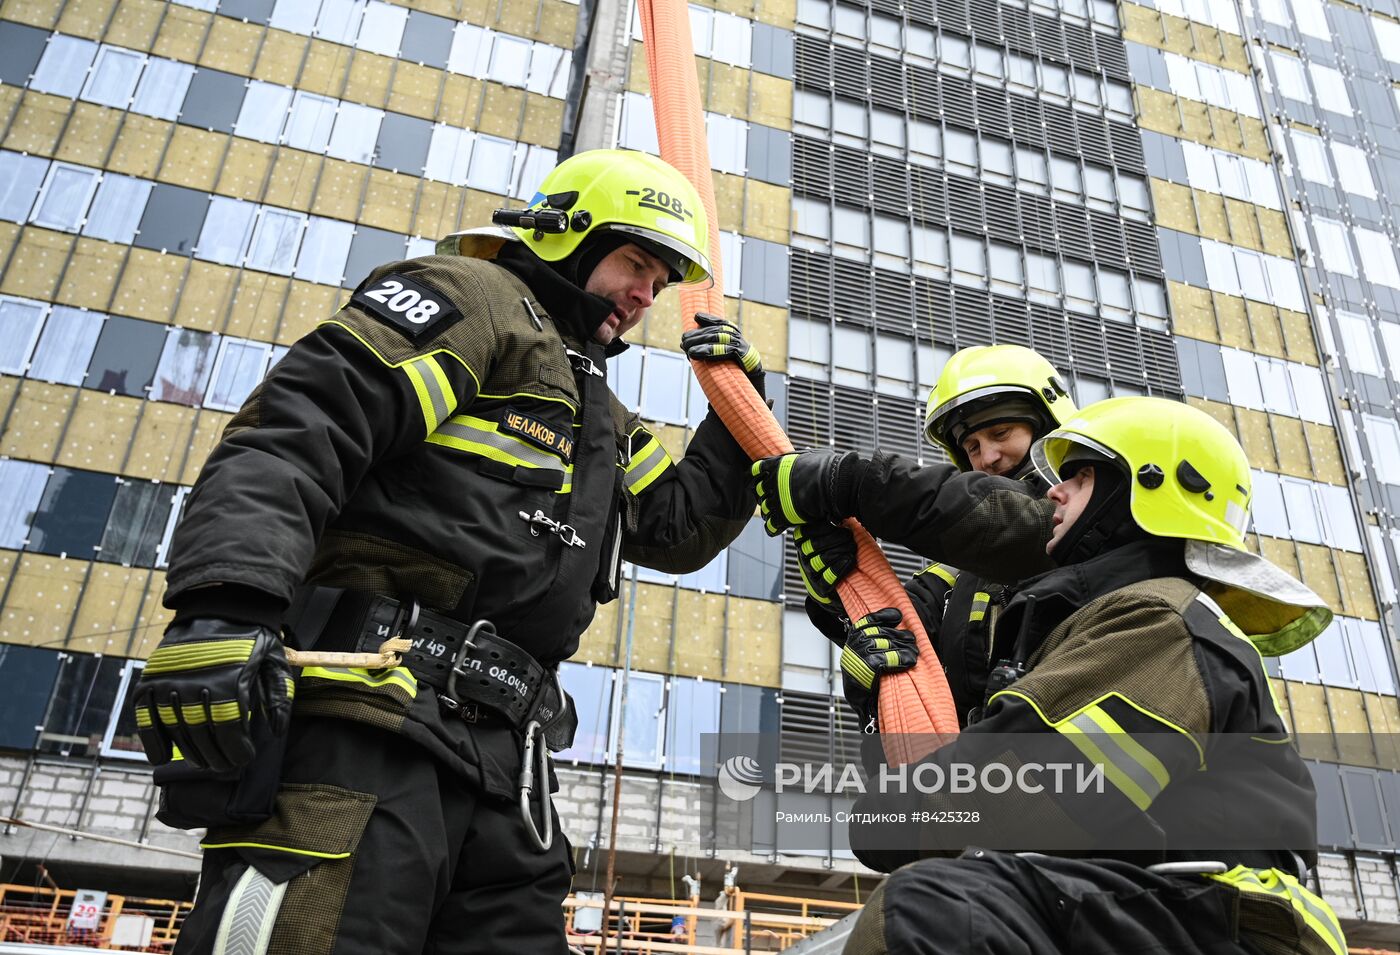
420, 443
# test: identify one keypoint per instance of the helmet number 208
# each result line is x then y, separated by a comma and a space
414, 307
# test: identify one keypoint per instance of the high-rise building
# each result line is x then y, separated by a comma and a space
1186, 198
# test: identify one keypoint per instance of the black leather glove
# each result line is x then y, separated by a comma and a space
202, 686
874, 646
720, 340
806, 487
825, 554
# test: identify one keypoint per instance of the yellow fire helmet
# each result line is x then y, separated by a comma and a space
1189, 479
619, 190
977, 380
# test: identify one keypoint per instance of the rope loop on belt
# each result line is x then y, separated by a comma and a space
390, 655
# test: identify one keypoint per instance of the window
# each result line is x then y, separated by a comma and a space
64, 198
355, 132
1266, 505
1005, 265
66, 345
1338, 517
20, 179
471, 50
733, 40
1354, 170
960, 149
186, 361
1242, 379
237, 371
531, 172
173, 218
1333, 247
125, 357
1042, 277
227, 227
449, 154
851, 121
113, 78
850, 22
1292, 81
1303, 521
884, 31
930, 250
117, 209
693, 712
20, 321
1113, 290
381, 29
23, 484
1388, 33
625, 377
663, 386
887, 127
728, 143
369, 249
642, 724
925, 139
163, 87
491, 164
1098, 186
1020, 70
121, 740
72, 513
64, 66
1055, 79
590, 688
1086, 88
811, 218
1331, 88
810, 109
709, 578
427, 39
275, 240
23, 46
134, 528
549, 70
1383, 437
324, 250
969, 261
510, 60
1079, 286
1031, 173
814, 13
214, 100
1064, 174
1377, 257
955, 52
892, 237
851, 347
989, 61
850, 227
28, 674
1312, 157
996, 159
1358, 344
310, 121
894, 365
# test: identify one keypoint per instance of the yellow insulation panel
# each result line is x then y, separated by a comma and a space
193, 158
245, 169
1292, 446
1326, 453
279, 59
205, 300
1311, 720
754, 651
1265, 329
37, 420
182, 33
39, 13
307, 305
369, 79
502, 111
139, 146
1298, 337
91, 278
109, 610
389, 200
699, 634
43, 595
99, 432
161, 442
1192, 312
416, 90
294, 177
232, 46
38, 124
134, 25
37, 263
208, 429
766, 327
85, 18
150, 285
89, 136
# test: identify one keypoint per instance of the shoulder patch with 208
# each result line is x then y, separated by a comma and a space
410, 306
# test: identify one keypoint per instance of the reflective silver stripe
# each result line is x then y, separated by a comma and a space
249, 915
476, 431
431, 373
643, 470
1122, 760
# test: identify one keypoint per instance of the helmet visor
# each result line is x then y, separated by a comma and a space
1048, 454
689, 263
936, 423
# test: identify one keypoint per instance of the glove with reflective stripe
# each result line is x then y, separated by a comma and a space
806, 487
874, 646
202, 686
720, 340
825, 554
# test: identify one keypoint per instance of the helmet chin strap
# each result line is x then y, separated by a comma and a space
1104, 524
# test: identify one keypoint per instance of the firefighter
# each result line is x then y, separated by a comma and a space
440, 475
989, 405
1138, 655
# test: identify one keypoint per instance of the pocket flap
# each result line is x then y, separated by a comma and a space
313, 821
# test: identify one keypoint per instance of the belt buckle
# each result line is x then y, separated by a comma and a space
447, 696
468, 711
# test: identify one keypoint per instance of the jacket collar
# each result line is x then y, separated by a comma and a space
576, 313
1042, 603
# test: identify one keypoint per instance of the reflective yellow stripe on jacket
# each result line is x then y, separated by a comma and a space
1315, 912
399, 677
648, 463
482, 437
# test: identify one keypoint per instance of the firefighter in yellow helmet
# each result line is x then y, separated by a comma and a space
987, 408
1137, 661
440, 462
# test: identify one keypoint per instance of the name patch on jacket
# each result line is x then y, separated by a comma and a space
538, 433
408, 305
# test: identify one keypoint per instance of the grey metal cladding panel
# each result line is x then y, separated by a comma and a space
403, 143
1049, 334
893, 7
1333, 824
922, 11
213, 100
894, 304
953, 13
928, 195
172, 220
854, 424
1086, 337
1112, 55
769, 154
853, 293
427, 39
965, 205
1124, 350
812, 63
809, 284
1003, 213
985, 17
811, 166
891, 185
809, 414
1094, 142
1038, 220
1141, 241
20, 49
1127, 147
851, 176
1062, 123
958, 105
1191, 377
774, 50
1072, 223
933, 310
898, 425
925, 94
1016, 27
1368, 820
851, 73
1079, 44
254, 11
1159, 361
992, 113
1050, 38
1012, 323
1026, 120
886, 83
972, 317
1107, 231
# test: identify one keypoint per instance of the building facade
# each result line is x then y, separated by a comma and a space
1186, 198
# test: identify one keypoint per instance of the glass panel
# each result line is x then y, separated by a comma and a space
324, 251
381, 29
81, 705
625, 377
663, 387
125, 358
728, 143
756, 564
64, 66
692, 711
1302, 512
65, 198
709, 578
185, 365
590, 688
510, 60
163, 86
136, 524
27, 674
642, 722
227, 226
72, 513
310, 122
20, 321
238, 370
491, 164
471, 47
264, 111
21, 486
275, 241
20, 179
113, 77
66, 346
355, 132
339, 20
117, 209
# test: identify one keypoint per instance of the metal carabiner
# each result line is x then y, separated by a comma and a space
527, 786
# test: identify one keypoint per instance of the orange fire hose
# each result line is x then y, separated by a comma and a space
913, 704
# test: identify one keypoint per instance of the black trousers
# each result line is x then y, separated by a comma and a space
377, 848
995, 903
